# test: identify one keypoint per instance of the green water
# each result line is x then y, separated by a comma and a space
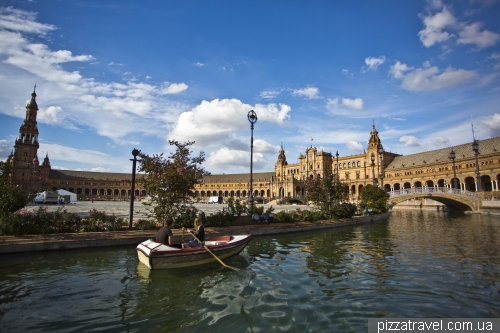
413, 265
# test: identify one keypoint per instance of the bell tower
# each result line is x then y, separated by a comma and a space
25, 163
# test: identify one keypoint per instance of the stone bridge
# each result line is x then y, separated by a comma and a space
453, 198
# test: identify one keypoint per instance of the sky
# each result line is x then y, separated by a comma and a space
116, 75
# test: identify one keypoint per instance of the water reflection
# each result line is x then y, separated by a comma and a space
417, 264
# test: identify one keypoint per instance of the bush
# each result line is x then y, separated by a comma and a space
220, 219
145, 224
99, 221
43, 222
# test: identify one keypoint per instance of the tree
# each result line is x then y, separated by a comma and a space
12, 198
327, 194
169, 181
5, 169
373, 197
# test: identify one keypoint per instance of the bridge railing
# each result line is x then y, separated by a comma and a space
436, 190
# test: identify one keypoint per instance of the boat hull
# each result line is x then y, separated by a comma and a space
159, 256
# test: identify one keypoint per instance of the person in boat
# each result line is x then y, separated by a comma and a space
164, 234
199, 232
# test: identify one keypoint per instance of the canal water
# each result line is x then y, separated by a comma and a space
415, 264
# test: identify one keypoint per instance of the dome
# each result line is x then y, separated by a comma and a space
32, 103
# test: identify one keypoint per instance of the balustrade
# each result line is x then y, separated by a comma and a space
436, 190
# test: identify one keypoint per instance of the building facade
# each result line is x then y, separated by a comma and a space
374, 166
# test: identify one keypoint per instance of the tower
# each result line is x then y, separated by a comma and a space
25, 163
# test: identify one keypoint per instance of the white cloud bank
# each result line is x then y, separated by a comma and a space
217, 120
442, 27
111, 109
430, 78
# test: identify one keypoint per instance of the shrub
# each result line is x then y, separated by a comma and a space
145, 224
220, 219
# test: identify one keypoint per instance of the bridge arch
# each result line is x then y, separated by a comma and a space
453, 198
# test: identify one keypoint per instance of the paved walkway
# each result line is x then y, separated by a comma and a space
35, 243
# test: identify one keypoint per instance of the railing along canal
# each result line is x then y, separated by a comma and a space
432, 190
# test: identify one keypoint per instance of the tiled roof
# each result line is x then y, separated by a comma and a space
464, 151
88, 175
239, 177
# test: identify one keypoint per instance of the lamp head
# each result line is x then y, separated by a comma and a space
135, 152
373, 157
380, 149
475, 146
452, 154
252, 117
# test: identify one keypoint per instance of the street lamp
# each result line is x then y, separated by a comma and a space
373, 167
135, 152
337, 154
455, 180
475, 148
252, 118
381, 153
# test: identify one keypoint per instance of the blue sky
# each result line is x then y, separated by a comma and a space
116, 75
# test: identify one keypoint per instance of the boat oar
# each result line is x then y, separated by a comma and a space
206, 248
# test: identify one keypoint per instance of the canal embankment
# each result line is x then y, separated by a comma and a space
67, 241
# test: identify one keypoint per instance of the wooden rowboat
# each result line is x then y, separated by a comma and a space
159, 256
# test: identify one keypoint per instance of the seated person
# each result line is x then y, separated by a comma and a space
164, 235
199, 232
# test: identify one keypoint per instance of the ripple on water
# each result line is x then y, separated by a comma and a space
414, 265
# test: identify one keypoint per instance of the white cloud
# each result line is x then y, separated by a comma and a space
430, 78
21, 21
174, 88
354, 146
199, 64
398, 70
309, 92
5, 149
493, 124
356, 103
471, 34
70, 154
215, 121
441, 142
264, 147
434, 26
410, 141
50, 115
344, 106
373, 62
270, 94
224, 157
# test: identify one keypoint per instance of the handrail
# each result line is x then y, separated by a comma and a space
436, 190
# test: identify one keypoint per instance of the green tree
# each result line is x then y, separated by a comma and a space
12, 198
327, 194
5, 169
373, 197
169, 181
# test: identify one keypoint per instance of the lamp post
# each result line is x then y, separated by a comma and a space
475, 148
135, 152
337, 155
381, 153
455, 180
252, 118
373, 167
